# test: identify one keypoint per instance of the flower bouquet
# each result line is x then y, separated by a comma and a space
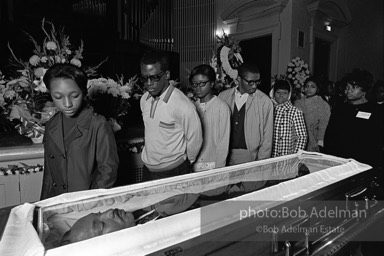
226, 61
110, 98
24, 97
297, 72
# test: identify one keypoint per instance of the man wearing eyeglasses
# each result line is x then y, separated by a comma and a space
252, 117
173, 133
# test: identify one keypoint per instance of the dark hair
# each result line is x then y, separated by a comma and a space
282, 85
156, 56
248, 67
205, 70
360, 78
67, 71
322, 85
377, 85
314, 80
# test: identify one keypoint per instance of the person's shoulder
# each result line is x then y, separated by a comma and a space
53, 119
220, 103
261, 97
144, 97
178, 96
320, 100
296, 110
226, 92
180, 103
299, 102
96, 119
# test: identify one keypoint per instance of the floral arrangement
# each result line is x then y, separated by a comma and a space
110, 98
26, 95
24, 169
226, 61
297, 72
136, 147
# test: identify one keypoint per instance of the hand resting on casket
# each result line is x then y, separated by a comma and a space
101, 223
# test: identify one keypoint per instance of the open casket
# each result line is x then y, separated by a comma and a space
208, 216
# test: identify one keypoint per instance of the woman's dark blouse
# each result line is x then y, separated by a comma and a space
351, 136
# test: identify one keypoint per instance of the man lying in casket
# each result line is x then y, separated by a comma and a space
96, 224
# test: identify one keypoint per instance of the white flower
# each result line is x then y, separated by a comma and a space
114, 90
125, 95
232, 73
22, 81
137, 96
40, 85
76, 62
57, 59
10, 94
173, 83
34, 60
40, 72
51, 46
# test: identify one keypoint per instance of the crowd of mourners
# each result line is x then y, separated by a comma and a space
238, 125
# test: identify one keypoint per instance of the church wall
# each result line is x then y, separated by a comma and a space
300, 21
361, 42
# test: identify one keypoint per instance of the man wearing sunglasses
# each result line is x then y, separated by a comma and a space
173, 133
252, 117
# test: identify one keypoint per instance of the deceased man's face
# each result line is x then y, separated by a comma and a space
96, 224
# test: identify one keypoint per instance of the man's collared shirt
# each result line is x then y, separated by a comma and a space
240, 99
172, 129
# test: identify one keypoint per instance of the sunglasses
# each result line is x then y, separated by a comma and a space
199, 84
152, 78
250, 82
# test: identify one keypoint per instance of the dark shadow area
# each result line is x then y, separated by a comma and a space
259, 50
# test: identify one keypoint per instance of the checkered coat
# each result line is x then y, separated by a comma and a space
289, 130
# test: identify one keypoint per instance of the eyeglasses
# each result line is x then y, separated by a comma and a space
153, 78
250, 82
199, 84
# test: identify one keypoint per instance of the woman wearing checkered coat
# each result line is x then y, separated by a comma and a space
289, 130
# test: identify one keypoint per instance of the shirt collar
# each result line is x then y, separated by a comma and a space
239, 93
286, 105
165, 95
